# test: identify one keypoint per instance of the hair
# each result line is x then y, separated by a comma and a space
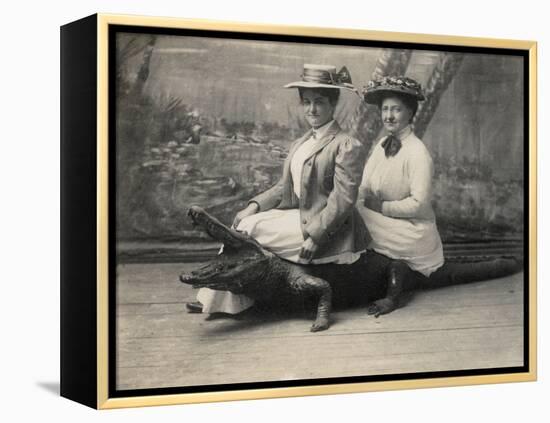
408, 100
331, 93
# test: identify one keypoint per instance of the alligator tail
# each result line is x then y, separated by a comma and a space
461, 270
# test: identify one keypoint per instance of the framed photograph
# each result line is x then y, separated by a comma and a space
253, 211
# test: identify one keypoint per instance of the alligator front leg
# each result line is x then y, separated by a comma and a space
320, 288
399, 279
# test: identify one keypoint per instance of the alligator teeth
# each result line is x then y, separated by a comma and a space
185, 278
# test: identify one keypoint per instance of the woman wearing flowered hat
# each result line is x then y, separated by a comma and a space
309, 216
395, 193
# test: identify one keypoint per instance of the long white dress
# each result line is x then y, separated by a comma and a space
277, 230
406, 228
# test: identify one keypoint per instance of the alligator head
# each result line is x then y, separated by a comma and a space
241, 264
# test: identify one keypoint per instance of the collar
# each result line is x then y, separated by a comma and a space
319, 133
332, 128
404, 133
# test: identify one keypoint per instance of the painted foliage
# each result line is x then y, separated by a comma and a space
206, 121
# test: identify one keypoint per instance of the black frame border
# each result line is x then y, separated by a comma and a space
114, 29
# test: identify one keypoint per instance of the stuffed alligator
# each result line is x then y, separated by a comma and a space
245, 267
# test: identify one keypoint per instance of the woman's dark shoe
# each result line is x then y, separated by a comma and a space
194, 307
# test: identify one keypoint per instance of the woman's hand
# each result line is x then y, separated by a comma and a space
308, 250
251, 209
373, 202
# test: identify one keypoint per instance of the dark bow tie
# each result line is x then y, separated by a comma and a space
391, 145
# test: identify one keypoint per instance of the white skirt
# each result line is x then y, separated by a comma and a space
278, 231
413, 241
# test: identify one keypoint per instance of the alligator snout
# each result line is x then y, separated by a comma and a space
195, 211
186, 278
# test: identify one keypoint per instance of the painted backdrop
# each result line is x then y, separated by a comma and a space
206, 121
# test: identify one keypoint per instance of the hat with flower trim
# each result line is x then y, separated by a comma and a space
323, 76
378, 89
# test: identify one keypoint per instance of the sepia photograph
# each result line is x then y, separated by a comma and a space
292, 211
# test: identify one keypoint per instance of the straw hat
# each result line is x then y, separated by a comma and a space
323, 76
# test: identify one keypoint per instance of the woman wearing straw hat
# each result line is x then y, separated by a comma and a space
395, 193
309, 216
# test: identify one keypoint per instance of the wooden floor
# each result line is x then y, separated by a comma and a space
471, 326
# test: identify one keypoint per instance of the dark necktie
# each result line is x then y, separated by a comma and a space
391, 145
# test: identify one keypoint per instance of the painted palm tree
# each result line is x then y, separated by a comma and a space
365, 123
443, 73
143, 72
127, 49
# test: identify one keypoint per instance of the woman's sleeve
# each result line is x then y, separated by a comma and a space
419, 169
372, 157
270, 198
348, 171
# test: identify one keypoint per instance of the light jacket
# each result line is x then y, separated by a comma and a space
330, 180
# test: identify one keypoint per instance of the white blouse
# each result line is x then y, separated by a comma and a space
406, 228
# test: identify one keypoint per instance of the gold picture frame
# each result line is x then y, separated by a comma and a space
89, 215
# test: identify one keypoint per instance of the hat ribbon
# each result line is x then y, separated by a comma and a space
326, 77
342, 78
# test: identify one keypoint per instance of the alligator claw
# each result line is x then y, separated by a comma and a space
373, 310
319, 325
379, 307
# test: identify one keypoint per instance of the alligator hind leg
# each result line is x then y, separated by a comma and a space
308, 284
